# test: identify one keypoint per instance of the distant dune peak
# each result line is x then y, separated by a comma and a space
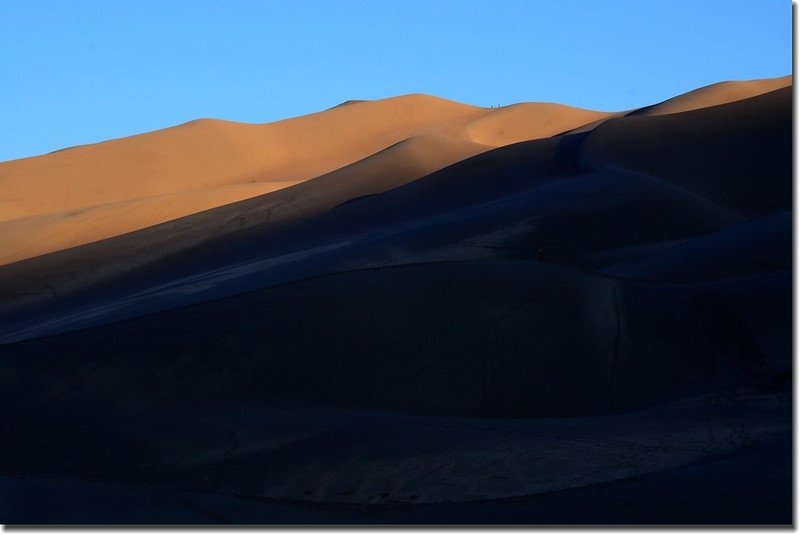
716, 94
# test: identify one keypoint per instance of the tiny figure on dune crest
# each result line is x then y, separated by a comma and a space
540, 254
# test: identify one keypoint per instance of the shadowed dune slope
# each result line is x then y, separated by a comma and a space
756, 246
737, 154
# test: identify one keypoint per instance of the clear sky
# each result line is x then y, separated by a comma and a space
74, 72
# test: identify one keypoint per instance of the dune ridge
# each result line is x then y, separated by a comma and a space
65, 234
715, 95
87, 193
208, 163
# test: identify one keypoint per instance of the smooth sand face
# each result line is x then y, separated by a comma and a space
89, 193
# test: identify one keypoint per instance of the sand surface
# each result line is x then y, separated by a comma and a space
346, 317
87, 193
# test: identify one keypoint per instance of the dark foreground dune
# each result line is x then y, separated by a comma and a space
385, 344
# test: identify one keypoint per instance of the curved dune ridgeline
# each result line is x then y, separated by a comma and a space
92, 192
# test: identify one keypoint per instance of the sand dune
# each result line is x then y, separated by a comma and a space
205, 159
703, 153
406, 160
87, 193
716, 94
444, 312
520, 122
712, 95
387, 169
33, 236
207, 153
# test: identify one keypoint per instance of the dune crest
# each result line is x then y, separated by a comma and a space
529, 120
91, 192
716, 94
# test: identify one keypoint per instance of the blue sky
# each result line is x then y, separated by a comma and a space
74, 72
